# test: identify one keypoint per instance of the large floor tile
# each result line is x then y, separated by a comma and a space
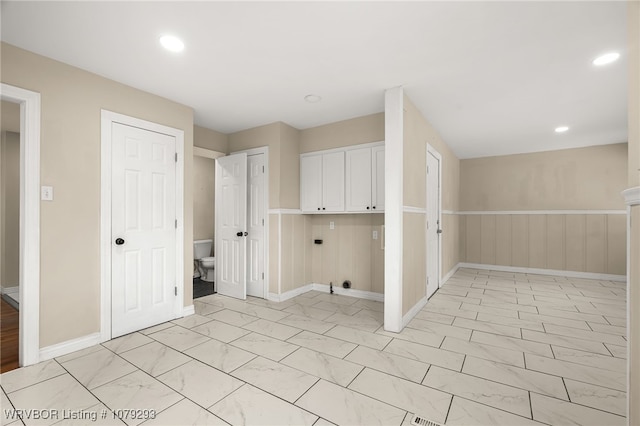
27, 376
593, 396
192, 321
534, 381
426, 354
262, 312
59, 393
204, 309
480, 350
488, 327
321, 343
617, 351
607, 378
127, 342
233, 317
345, 407
325, 366
265, 346
98, 368
309, 311
359, 337
275, 378
220, 331
512, 343
479, 390
440, 329
155, 358
336, 307
416, 336
512, 322
565, 342
220, 355
395, 365
590, 359
272, 329
136, 391
178, 338
366, 323
554, 411
435, 317
410, 396
548, 319
307, 323
468, 413
584, 334
251, 406
185, 412
200, 383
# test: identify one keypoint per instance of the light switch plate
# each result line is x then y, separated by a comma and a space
46, 193
375, 235
332, 225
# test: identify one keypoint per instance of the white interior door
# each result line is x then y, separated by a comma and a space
143, 254
433, 223
255, 225
231, 225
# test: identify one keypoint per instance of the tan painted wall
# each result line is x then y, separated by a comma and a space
204, 180
289, 167
10, 116
294, 246
569, 179
417, 134
349, 251
70, 162
633, 28
359, 130
575, 242
588, 178
10, 208
210, 139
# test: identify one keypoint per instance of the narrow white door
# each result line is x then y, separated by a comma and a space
256, 238
377, 178
231, 225
359, 180
311, 183
143, 254
433, 223
333, 182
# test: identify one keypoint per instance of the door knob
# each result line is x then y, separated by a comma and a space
119, 241
246, 233
439, 231
239, 234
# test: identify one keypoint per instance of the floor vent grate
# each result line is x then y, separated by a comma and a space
421, 421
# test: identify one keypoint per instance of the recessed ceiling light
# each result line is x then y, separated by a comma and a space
605, 59
562, 129
172, 43
312, 99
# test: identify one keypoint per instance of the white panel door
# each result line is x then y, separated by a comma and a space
311, 183
143, 254
377, 178
231, 225
256, 238
333, 182
358, 169
433, 223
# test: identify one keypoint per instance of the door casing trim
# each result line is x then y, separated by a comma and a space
29, 273
432, 151
107, 120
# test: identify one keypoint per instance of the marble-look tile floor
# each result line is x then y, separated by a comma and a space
490, 348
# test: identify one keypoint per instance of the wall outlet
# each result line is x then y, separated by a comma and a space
332, 225
46, 193
375, 235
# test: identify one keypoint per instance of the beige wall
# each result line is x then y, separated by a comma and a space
294, 245
569, 179
210, 139
289, 167
10, 116
204, 178
359, 130
566, 242
348, 251
70, 162
10, 207
418, 132
633, 283
588, 178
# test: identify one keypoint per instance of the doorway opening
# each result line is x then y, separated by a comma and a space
25, 145
434, 220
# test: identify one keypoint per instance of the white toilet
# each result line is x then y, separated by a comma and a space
205, 262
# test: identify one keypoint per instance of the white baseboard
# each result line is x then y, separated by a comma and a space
361, 294
539, 271
275, 297
11, 290
449, 274
69, 346
414, 311
188, 310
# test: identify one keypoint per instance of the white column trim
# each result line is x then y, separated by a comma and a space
393, 214
29, 275
631, 196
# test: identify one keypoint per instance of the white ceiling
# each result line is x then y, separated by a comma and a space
492, 77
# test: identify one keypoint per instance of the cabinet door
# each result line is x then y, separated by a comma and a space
311, 183
333, 182
358, 190
377, 178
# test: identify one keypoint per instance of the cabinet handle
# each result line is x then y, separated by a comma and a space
323, 208
367, 207
318, 208
374, 207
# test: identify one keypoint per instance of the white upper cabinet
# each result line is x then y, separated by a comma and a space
322, 182
365, 180
347, 180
